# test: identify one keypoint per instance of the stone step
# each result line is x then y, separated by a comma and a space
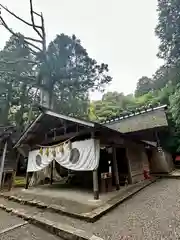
30, 200
72, 209
63, 226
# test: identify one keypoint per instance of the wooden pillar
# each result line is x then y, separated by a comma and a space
129, 168
52, 167
115, 167
11, 181
3, 180
2, 162
157, 139
27, 180
95, 185
95, 178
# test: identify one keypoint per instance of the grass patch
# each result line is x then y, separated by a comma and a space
19, 181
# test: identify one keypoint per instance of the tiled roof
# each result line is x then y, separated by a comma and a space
145, 119
134, 113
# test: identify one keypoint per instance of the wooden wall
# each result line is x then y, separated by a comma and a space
138, 161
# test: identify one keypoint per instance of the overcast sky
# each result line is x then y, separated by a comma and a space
117, 32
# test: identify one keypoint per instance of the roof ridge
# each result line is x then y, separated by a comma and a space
133, 113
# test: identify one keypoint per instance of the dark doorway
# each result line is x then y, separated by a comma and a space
149, 155
122, 163
105, 157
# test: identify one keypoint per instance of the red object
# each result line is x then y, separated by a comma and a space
177, 158
146, 174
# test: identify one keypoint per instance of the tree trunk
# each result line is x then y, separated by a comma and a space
21, 111
7, 106
45, 98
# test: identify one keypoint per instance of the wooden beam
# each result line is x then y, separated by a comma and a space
66, 136
115, 167
71, 119
95, 185
13, 178
3, 180
2, 162
95, 178
27, 130
112, 139
52, 167
63, 128
157, 139
27, 180
129, 167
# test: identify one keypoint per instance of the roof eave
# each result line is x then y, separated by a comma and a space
71, 119
54, 114
27, 130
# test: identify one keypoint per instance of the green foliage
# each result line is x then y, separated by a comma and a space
168, 30
144, 85
175, 106
16, 81
112, 104
168, 76
71, 74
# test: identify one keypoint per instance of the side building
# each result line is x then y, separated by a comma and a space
150, 126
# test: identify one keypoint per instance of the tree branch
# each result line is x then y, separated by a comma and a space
16, 35
32, 19
19, 18
33, 39
39, 15
32, 51
32, 45
43, 33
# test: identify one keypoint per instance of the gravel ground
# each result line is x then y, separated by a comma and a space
152, 214
26, 232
